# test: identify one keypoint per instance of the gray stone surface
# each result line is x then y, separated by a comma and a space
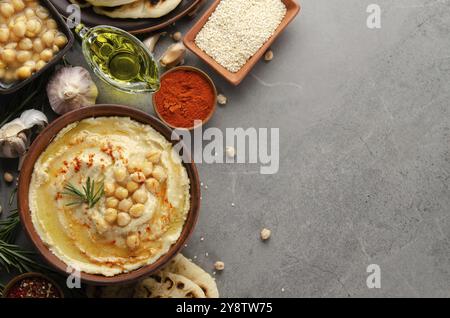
365, 163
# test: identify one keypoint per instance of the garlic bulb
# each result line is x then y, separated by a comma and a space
71, 88
14, 139
173, 56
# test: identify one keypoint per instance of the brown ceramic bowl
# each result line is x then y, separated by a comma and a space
41, 143
134, 26
205, 76
11, 88
17, 279
235, 78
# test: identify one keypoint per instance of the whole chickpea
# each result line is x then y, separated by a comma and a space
110, 215
51, 24
29, 12
2, 73
159, 174
25, 44
120, 174
8, 55
60, 40
23, 72
132, 186
140, 196
46, 55
152, 185
10, 76
147, 169
38, 45
6, 10
19, 29
123, 219
18, 5
125, 205
121, 193
48, 37
112, 202
133, 241
23, 56
31, 65
137, 210
138, 177
4, 34
109, 189
42, 12
40, 64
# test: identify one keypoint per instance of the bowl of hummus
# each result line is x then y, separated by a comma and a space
103, 192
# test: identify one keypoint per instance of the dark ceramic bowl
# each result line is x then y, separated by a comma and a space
62, 26
41, 143
17, 279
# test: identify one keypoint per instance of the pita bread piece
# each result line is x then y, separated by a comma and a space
109, 3
182, 266
168, 285
140, 9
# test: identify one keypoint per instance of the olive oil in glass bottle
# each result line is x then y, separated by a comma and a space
119, 58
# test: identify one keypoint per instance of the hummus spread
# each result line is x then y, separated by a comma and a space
143, 192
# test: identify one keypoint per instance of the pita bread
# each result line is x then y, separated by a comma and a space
140, 9
182, 266
110, 3
168, 285
81, 3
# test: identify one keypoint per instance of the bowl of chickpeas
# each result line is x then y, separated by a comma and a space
33, 37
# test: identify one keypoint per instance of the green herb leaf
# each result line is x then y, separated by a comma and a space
92, 192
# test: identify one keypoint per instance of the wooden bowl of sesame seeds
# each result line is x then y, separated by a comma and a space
219, 39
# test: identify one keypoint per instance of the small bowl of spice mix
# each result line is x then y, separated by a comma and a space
32, 285
187, 94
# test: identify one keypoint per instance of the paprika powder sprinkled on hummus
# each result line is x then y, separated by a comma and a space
185, 96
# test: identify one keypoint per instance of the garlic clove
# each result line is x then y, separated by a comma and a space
174, 55
151, 42
71, 88
33, 117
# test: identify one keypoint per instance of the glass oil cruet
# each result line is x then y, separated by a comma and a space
119, 58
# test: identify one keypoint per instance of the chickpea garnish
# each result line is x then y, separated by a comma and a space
120, 174
137, 210
132, 186
140, 196
154, 156
152, 185
46, 55
133, 241
112, 202
147, 169
110, 215
109, 188
121, 193
138, 177
123, 219
6, 9
125, 205
23, 72
159, 173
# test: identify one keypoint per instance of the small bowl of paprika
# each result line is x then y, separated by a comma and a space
32, 285
187, 94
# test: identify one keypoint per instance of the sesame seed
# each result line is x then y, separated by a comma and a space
237, 29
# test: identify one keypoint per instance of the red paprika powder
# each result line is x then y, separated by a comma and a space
185, 96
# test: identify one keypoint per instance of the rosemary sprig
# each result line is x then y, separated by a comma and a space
90, 193
12, 196
13, 257
8, 227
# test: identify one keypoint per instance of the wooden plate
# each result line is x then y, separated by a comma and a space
293, 9
41, 143
135, 26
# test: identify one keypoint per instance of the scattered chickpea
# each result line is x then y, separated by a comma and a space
137, 210
121, 193
40, 64
125, 205
265, 234
123, 219
133, 241
46, 55
152, 185
177, 36
268, 56
8, 177
110, 215
140, 196
18, 5
220, 266
23, 72
6, 9
221, 99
